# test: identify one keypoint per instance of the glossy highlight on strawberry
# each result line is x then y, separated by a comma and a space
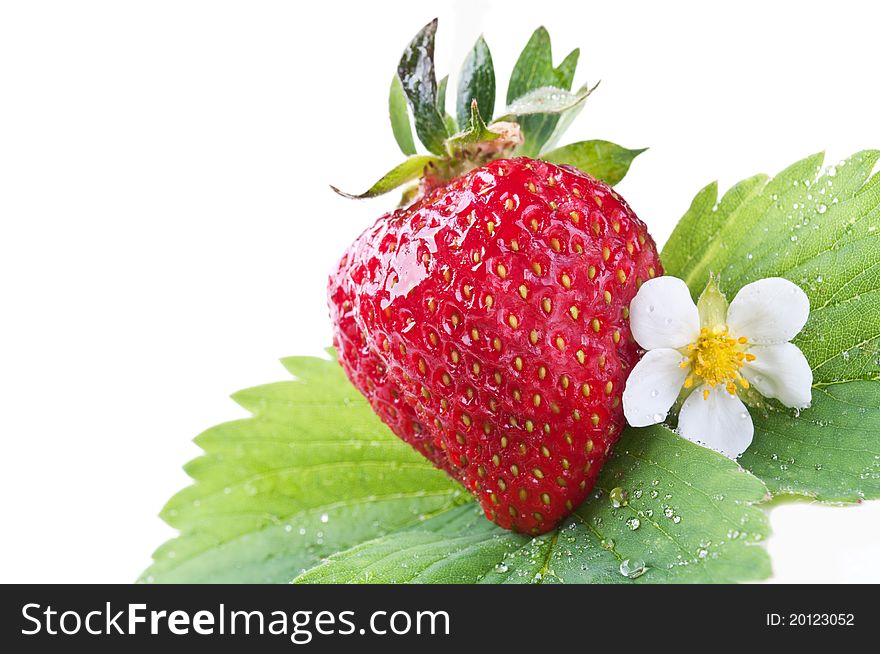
487, 325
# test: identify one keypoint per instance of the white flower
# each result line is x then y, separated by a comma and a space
714, 351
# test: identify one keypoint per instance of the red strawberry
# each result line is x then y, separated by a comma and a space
487, 326
487, 322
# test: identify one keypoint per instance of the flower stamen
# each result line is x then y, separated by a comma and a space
716, 358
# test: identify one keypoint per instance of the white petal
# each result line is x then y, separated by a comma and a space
720, 422
781, 372
768, 311
652, 387
662, 314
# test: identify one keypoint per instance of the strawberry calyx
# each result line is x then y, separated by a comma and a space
540, 106
474, 147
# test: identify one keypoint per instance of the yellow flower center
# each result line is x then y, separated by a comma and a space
716, 358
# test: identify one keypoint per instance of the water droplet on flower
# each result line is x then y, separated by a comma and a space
655, 393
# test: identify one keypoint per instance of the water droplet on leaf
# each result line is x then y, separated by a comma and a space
632, 568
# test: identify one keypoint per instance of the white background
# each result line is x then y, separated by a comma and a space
167, 226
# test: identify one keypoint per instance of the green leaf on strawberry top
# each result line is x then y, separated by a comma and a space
419, 82
819, 228
533, 70
601, 159
565, 71
399, 114
413, 168
441, 95
448, 120
565, 78
534, 67
541, 106
547, 100
314, 487
476, 81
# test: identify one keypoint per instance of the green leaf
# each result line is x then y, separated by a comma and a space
830, 452
448, 121
399, 114
821, 230
601, 159
549, 133
314, 481
412, 168
533, 70
690, 517
565, 71
565, 77
312, 472
457, 546
547, 100
416, 73
451, 125
476, 81
441, 95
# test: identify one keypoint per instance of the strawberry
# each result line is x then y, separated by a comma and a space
487, 322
